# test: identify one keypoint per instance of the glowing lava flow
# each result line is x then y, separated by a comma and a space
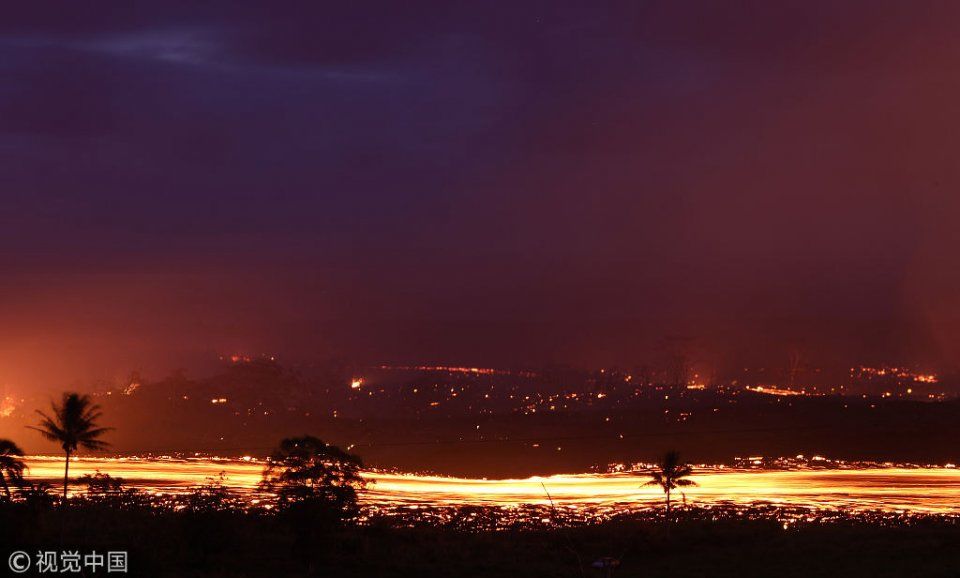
928, 490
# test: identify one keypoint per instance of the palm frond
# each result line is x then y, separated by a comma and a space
47, 435
95, 432
73, 423
8, 448
94, 445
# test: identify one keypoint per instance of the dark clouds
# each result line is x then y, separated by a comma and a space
479, 183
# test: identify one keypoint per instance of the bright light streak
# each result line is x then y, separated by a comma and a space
926, 490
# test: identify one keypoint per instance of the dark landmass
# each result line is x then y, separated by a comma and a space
217, 541
499, 423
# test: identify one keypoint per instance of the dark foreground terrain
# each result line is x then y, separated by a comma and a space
203, 540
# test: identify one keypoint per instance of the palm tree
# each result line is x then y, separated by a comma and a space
11, 466
74, 426
670, 474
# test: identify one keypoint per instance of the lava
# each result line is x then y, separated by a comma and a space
929, 490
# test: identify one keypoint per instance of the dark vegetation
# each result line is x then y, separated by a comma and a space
221, 541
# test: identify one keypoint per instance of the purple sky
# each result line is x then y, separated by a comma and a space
475, 182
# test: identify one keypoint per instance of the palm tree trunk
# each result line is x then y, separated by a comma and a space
668, 502
66, 472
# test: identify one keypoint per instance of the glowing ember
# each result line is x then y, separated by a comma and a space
7, 406
771, 390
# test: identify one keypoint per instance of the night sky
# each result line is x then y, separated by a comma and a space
488, 183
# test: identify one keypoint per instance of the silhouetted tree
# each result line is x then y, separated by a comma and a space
214, 496
11, 466
670, 474
73, 425
107, 490
316, 486
100, 484
306, 471
37, 496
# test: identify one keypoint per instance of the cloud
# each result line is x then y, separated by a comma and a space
465, 172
